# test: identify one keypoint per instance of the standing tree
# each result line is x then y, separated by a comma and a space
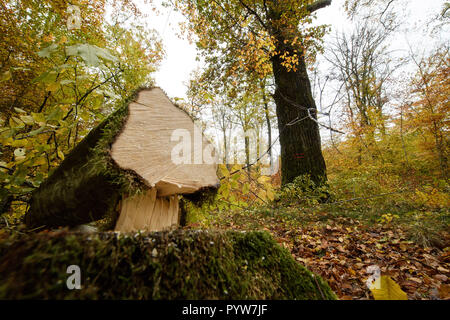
428, 113
269, 37
362, 66
201, 97
247, 108
246, 114
267, 116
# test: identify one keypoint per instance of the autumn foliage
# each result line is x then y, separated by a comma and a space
385, 203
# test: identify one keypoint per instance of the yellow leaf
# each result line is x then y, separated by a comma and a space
19, 143
60, 154
270, 195
262, 195
6, 141
387, 289
3, 165
225, 192
246, 188
39, 118
15, 122
40, 161
224, 171
263, 179
53, 87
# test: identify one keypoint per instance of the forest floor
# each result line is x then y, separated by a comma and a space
340, 246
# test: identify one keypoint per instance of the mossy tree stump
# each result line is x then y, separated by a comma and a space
182, 264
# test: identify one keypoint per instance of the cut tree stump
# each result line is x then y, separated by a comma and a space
130, 162
148, 212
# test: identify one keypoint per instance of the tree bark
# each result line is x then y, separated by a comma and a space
247, 152
300, 143
225, 145
269, 127
5, 201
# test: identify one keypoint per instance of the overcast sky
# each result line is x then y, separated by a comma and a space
180, 60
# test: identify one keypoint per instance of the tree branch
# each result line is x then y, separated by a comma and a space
319, 4
254, 13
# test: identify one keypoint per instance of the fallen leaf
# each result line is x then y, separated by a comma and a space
441, 277
387, 289
415, 280
444, 291
442, 269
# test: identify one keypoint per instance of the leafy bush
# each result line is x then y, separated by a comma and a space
303, 191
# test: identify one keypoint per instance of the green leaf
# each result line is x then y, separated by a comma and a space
91, 54
39, 118
18, 110
5, 76
64, 82
56, 114
63, 66
226, 191
235, 176
46, 52
27, 119
15, 123
36, 132
46, 77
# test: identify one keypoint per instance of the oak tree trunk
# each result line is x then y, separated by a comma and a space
269, 127
300, 142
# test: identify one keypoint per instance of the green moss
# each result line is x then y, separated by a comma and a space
162, 265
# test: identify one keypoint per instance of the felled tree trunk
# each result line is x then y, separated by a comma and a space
131, 159
148, 212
